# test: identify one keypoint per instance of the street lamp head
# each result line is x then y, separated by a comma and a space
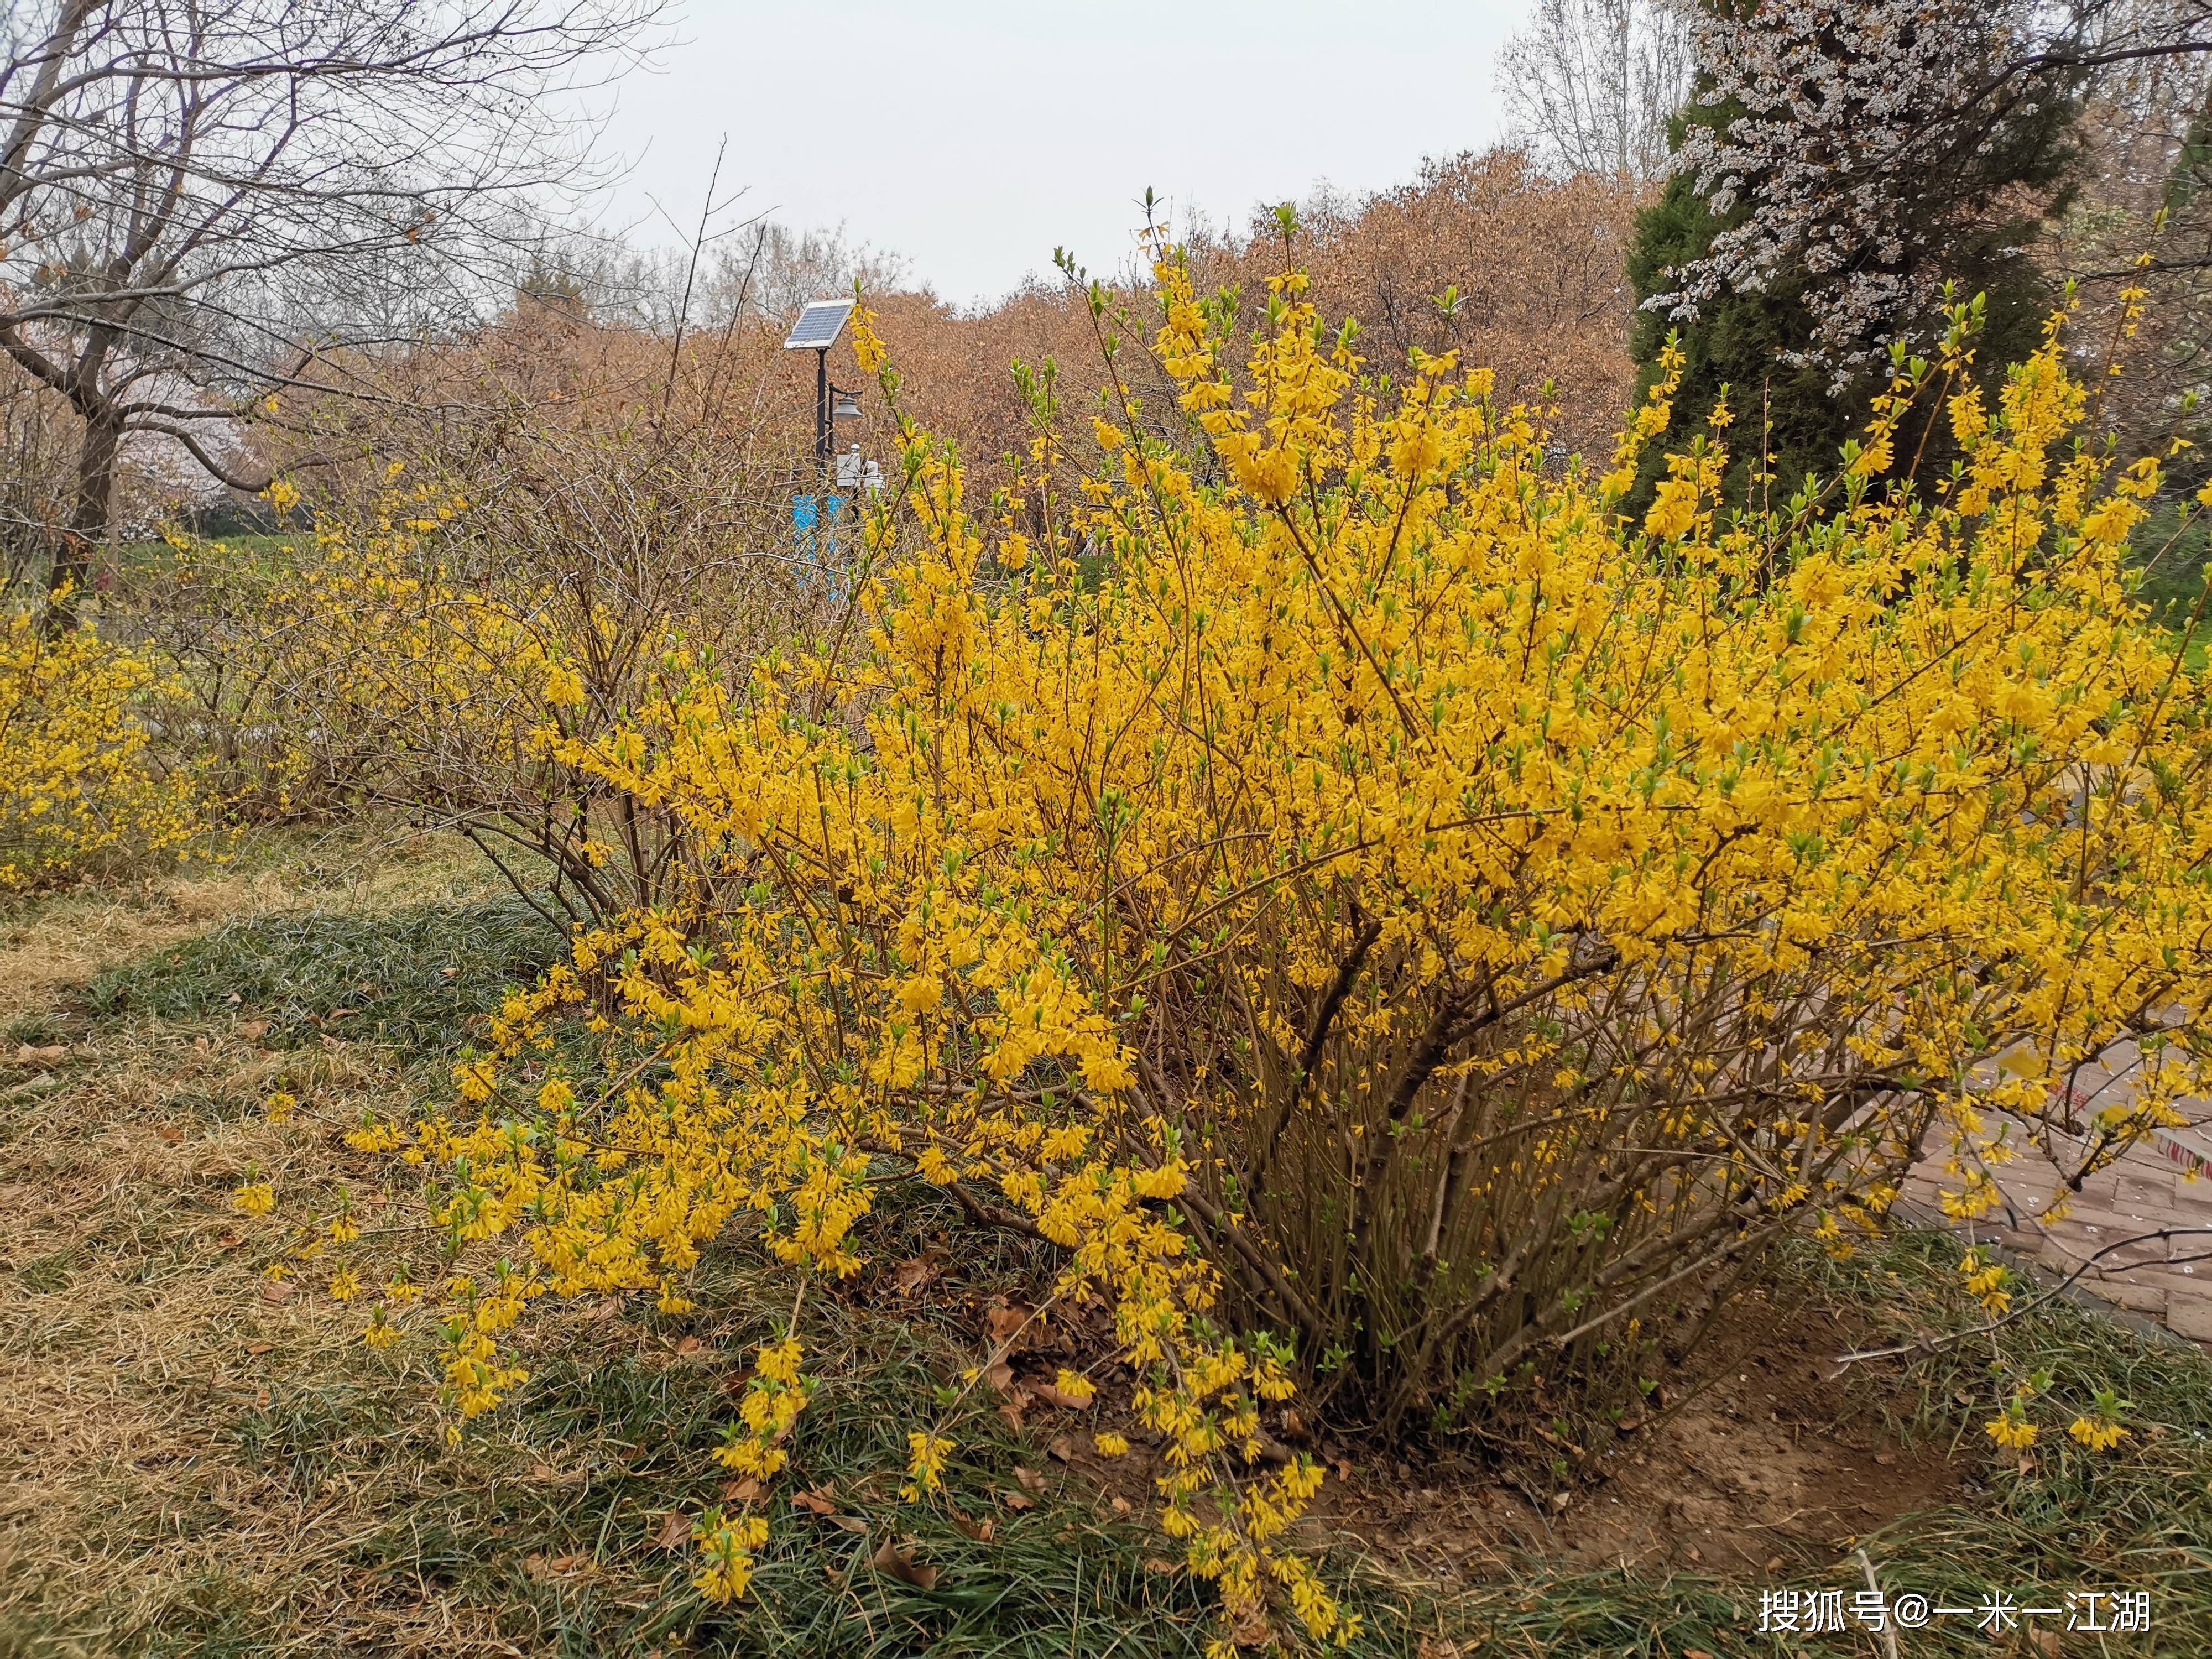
847, 406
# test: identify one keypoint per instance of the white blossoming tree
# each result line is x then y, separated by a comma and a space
1860, 153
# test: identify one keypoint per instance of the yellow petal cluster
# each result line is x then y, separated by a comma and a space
78, 782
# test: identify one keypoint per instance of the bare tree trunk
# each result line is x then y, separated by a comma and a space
89, 517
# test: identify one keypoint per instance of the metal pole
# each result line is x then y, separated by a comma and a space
822, 415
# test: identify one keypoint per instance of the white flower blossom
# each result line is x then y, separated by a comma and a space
1846, 140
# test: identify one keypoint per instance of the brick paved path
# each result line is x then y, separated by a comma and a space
2165, 1182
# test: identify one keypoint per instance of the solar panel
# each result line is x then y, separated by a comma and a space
819, 326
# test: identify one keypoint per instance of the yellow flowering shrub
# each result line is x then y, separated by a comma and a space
1399, 925
353, 663
77, 787
430, 652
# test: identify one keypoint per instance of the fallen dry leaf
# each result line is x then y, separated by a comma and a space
171, 1136
910, 1276
747, 1490
1052, 1396
27, 1054
690, 1345
1695, 1653
848, 1523
1120, 1505
278, 1290
1015, 1501
1033, 1479
1250, 1628
817, 1502
978, 1530
254, 1030
675, 1531
1438, 1647
898, 1561
1062, 1448
1003, 1318
1000, 1376
259, 1347
1153, 1563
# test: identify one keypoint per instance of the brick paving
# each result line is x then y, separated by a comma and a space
2164, 1182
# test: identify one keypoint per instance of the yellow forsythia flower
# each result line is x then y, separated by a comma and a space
925, 1464
725, 1545
2011, 1429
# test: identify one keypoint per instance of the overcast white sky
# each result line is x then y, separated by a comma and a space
973, 136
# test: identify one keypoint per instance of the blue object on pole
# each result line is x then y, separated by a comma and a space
802, 510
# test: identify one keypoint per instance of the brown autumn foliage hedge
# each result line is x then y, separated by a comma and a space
1534, 265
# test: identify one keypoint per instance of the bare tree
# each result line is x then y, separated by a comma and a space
756, 265
200, 202
1590, 85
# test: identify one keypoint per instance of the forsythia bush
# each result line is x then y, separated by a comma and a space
405, 654
75, 786
324, 670
1400, 926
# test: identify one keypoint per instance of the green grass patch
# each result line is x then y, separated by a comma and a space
412, 978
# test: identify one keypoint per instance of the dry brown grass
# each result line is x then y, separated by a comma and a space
51, 946
136, 1336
